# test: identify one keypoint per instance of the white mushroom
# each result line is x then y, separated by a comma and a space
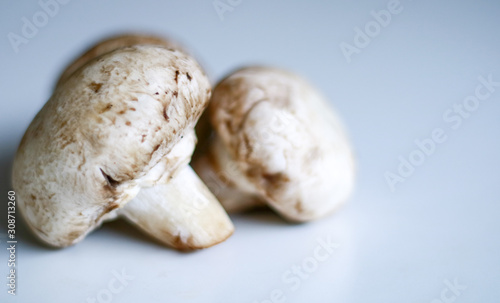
276, 141
115, 139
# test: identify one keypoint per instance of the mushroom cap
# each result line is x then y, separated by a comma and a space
278, 140
106, 131
111, 44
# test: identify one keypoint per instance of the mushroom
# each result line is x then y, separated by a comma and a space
275, 141
115, 139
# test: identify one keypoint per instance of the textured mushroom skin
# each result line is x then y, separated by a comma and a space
277, 141
112, 44
101, 134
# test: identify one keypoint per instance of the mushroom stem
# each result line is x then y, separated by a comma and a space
182, 213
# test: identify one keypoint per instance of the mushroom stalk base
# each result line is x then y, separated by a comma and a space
182, 213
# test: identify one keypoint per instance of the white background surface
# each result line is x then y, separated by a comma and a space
441, 224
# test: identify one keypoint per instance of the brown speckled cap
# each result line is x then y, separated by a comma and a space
111, 44
115, 135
